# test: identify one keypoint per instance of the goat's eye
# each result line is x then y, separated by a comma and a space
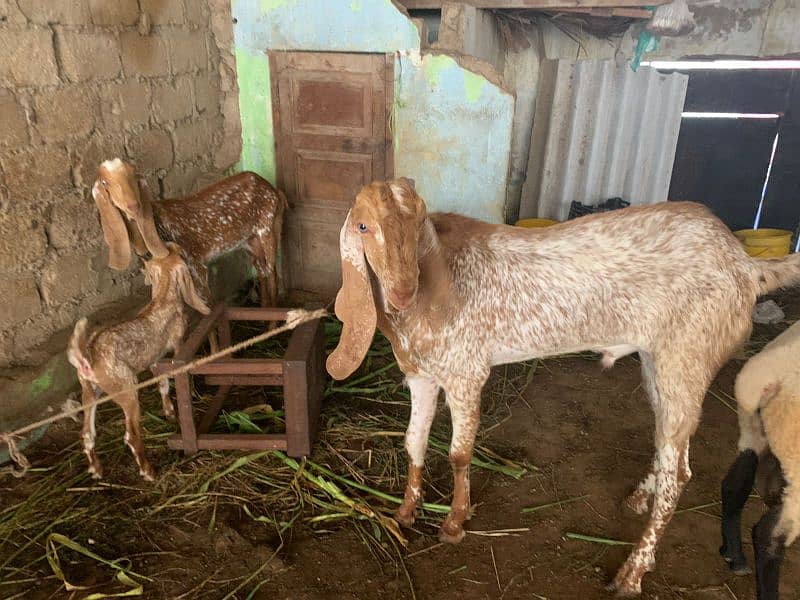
363, 228
104, 182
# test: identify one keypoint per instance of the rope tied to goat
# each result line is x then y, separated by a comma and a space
294, 318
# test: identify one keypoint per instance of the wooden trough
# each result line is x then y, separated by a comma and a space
301, 373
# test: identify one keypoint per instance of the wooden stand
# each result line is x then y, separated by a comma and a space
301, 372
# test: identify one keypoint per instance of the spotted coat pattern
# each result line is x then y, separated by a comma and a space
109, 359
456, 296
241, 211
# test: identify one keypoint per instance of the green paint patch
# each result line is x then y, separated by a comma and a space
270, 5
255, 107
42, 383
355, 6
473, 84
434, 65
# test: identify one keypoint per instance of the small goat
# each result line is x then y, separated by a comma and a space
456, 296
768, 395
109, 359
242, 211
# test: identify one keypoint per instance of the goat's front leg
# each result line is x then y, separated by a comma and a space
424, 394
166, 401
129, 402
465, 414
89, 433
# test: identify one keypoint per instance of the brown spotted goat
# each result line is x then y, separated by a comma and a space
109, 359
456, 296
768, 398
241, 211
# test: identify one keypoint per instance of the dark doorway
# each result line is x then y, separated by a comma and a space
738, 125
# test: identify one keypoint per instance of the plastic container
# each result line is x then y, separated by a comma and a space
578, 209
765, 243
533, 223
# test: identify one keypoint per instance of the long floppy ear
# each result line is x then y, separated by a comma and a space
114, 230
137, 241
354, 307
146, 223
188, 291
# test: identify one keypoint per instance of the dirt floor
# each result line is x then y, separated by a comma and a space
584, 436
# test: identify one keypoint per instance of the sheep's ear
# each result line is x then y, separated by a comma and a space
146, 223
115, 231
354, 306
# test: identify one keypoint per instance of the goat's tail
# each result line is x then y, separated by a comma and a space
774, 273
77, 351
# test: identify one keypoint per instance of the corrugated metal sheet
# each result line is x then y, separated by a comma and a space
599, 131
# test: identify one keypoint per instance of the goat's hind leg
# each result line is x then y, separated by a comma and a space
639, 499
129, 401
424, 394
89, 432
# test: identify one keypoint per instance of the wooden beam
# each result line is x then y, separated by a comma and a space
630, 13
538, 4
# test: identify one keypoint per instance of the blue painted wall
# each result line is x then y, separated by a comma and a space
452, 128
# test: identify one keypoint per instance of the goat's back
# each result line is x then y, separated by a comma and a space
640, 276
222, 216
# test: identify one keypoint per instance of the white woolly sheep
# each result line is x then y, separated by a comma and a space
768, 395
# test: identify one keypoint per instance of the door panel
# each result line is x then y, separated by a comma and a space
330, 114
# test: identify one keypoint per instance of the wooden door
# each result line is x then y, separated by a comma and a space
330, 114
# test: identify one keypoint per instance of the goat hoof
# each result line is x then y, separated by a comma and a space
637, 501
95, 473
404, 518
737, 564
148, 473
624, 590
170, 417
451, 534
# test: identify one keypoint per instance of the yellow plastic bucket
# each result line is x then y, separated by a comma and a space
533, 223
765, 243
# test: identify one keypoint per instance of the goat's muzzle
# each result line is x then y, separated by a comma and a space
402, 297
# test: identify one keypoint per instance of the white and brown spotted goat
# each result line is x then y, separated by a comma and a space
456, 296
109, 359
241, 211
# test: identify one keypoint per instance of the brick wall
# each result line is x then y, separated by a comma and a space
82, 81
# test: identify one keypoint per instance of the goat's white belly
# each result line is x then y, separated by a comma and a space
505, 355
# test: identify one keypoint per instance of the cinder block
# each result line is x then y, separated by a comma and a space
207, 94
114, 12
187, 50
39, 170
22, 240
74, 222
173, 101
67, 277
64, 12
125, 105
27, 58
194, 139
15, 126
164, 12
66, 112
151, 149
144, 55
19, 298
86, 157
89, 56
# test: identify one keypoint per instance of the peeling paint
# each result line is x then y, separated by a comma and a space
255, 100
451, 127
42, 383
473, 84
269, 5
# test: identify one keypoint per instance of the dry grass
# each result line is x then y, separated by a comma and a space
61, 529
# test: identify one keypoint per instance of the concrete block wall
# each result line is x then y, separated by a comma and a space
82, 81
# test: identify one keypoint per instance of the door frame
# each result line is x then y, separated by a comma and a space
388, 79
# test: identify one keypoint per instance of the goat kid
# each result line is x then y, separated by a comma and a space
456, 296
241, 211
768, 398
110, 358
